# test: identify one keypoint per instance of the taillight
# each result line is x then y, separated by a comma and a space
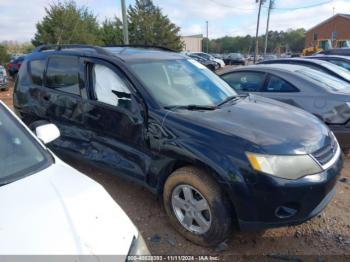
18, 66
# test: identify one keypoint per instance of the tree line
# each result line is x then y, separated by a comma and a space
278, 42
68, 23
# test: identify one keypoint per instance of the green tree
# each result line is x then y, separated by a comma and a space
295, 39
66, 23
4, 55
111, 32
279, 41
148, 26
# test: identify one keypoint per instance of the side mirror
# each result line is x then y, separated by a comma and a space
47, 133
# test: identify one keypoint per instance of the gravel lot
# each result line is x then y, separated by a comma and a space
326, 234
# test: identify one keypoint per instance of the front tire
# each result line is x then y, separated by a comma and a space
197, 207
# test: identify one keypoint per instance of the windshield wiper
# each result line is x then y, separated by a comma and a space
191, 107
230, 98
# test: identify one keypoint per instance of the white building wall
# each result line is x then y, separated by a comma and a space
192, 43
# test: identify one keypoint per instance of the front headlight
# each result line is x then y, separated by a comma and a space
284, 166
139, 247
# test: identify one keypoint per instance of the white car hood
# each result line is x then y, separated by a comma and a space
61, 211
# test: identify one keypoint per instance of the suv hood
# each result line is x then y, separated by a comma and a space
271, 126
60, 211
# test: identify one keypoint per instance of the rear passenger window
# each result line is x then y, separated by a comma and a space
276, 84
245, 81
37, 68
63, 74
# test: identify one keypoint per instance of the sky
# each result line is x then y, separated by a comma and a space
225, 17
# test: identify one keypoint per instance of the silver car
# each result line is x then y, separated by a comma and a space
3, 79
323, 95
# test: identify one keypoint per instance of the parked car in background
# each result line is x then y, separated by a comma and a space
342, 61
14, 66
286, 55
322, 66
218, 159
234, 59
3, 79
269, 57
335, 51
321, 94
250, 57
219, 56
210, 57
49, 208
212, 65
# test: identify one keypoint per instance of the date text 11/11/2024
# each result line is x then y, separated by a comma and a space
173, 258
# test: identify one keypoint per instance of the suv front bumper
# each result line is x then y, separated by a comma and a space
275, 202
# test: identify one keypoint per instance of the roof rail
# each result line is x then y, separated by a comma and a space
42, 48
146, 46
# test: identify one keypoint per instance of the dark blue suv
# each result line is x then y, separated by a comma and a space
219, 160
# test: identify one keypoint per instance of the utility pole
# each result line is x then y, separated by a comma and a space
257, 31
125, 24
207, 36
267, 26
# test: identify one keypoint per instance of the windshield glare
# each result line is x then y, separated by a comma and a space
19, 153
182, 82
328, 81
339, 70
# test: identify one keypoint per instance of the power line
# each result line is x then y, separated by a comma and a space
275, 8
304, 7
230, 6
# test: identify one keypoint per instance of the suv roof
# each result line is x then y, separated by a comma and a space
126, 53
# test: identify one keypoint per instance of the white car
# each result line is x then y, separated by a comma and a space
49, 208
210, 57
3, 79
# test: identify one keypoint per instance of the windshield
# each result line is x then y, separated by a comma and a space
338, 70
328, 81
20, 154
182, 82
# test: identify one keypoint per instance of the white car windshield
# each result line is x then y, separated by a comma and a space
182, 82
20, 154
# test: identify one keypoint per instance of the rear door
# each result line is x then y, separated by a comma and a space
279, 89
60, 99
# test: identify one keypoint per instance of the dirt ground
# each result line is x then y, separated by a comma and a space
326, 234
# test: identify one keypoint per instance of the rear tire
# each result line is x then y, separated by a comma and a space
214, 218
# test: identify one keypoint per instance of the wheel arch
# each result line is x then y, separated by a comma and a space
175, 165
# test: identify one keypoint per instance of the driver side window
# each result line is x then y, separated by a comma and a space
245, 81
109, 87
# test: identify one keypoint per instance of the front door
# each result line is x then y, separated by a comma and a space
116, 119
